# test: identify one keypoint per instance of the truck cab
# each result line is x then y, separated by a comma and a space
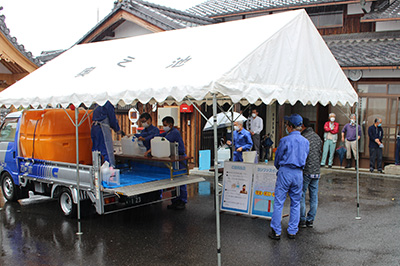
9, 132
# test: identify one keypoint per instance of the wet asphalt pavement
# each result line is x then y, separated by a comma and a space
34, 232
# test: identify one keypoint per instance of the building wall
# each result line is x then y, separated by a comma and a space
128, 29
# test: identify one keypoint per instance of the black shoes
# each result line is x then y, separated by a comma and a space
290, 236
177, 205
273, 235
310, 224
348, 163
302, 224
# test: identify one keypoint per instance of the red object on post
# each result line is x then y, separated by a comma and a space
184, 108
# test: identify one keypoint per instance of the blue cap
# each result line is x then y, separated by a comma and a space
295, 119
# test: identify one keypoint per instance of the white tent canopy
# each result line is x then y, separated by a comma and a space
271, 58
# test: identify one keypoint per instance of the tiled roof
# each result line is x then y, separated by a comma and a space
385, 11
13, 40
213, 8
47, 56
167, 15
160, 16
365, 49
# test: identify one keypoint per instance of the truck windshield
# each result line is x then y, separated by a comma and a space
8, 129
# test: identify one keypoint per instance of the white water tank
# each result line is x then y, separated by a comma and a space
160, 147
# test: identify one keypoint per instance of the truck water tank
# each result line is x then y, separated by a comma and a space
50, 135
160, 147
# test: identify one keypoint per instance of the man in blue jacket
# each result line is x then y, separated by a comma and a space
290, 159
241, 140
172, 134
375, 133
149, 130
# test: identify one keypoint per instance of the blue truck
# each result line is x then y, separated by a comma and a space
21, 175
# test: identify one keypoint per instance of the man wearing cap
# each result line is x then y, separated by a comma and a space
290, 159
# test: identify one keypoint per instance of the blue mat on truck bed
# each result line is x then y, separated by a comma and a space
139, 173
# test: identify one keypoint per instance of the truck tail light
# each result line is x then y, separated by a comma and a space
110, 200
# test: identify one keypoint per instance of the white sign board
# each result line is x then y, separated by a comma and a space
236, 191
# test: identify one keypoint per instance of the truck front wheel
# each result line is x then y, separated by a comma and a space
8, 187
67, 204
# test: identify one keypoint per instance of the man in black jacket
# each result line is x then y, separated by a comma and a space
311, 175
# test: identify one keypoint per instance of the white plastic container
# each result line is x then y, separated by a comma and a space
249, 156
132, 146
223, 155
160, 147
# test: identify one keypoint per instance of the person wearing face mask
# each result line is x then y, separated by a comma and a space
255, 126
242, 141
331, 129
149, 130
290, 159
172, 135
349, 138
375, 133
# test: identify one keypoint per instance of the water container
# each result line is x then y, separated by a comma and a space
110, 175
132, 146
223, 155
127, 145
160, 147
249, 156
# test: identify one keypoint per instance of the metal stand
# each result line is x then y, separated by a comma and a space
77, 170
217, 217
357, 165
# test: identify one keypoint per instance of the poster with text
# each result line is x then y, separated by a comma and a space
263, 191
236, 190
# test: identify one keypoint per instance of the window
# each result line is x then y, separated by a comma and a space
384, 104
327, 20
372, 88
8, 129
394, 88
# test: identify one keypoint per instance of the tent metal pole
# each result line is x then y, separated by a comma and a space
77, 169
357, 164
232, 129
198, 110
216, 187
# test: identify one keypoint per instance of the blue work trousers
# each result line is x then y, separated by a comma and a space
329, 147
237, 156
289, 181
182, 195
310, 184
397, 155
